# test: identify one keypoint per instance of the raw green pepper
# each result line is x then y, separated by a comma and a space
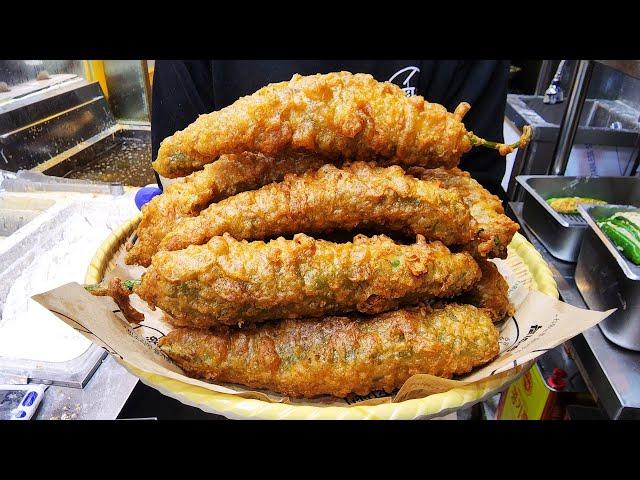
628, 225
623, 240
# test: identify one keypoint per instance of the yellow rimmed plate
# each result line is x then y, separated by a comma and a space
236, 407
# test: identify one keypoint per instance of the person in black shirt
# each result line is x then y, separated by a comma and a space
182, 90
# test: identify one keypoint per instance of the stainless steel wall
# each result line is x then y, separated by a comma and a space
630, 92
15, 72
127, 83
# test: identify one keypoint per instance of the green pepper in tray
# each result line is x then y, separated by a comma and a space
623, 228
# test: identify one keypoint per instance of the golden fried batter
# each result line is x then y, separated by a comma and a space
357, 195
228, 281
495, 229
338, 115
490, 293
225, 177
339, 355
569, 205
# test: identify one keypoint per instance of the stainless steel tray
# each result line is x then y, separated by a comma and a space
562, 234
606, 279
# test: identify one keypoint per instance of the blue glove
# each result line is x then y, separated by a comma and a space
145, 194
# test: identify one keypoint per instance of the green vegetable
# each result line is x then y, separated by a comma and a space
633, 216
628, 225
131, 283
623, 239
395, 263
98, 288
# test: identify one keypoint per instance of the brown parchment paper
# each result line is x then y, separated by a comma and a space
539, 324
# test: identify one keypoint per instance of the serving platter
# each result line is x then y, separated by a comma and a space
523, 260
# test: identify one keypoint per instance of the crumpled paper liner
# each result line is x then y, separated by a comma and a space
540, 323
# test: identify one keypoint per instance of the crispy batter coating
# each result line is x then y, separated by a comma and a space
339, 355
228, 281
357, 195
490, 293
569, 205
339, 115
495, 229
225, 177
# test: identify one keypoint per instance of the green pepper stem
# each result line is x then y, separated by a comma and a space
503, 148
131, 283
98, 288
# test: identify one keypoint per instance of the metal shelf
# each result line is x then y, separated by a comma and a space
628, 67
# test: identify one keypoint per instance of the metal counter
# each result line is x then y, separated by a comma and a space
102, 398
114, 393
611, 373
